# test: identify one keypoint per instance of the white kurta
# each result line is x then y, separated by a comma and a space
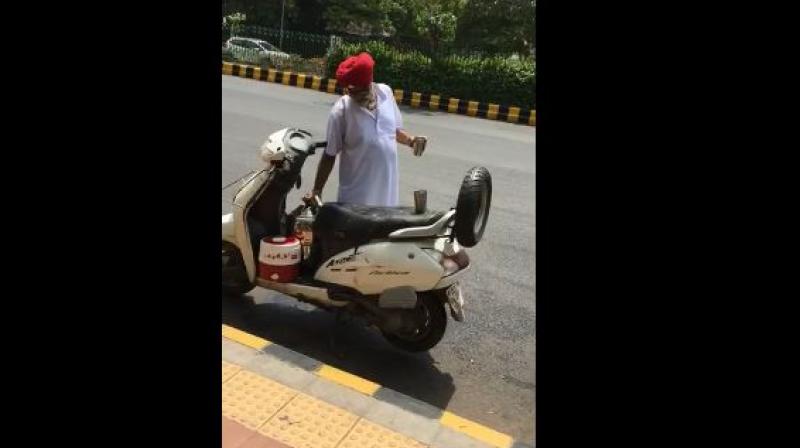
366, 144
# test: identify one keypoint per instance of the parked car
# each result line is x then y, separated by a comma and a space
254, 51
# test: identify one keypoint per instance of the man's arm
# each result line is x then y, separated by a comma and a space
403, 137
323, 171
335, 139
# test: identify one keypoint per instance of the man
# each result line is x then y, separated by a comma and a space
364, 127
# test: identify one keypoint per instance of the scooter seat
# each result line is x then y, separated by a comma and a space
361, 223
339, 227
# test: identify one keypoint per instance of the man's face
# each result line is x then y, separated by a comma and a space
359, 94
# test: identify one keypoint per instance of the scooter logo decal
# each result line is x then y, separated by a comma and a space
342, 260
280, 256
389, 273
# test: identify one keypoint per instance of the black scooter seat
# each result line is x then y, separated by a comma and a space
362, 223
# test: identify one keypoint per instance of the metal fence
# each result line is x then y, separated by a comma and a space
308, 45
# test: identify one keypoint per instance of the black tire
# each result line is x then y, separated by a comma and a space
234, 274
472, 210
436, 318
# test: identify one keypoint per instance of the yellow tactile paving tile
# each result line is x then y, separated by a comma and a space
370, 435
348, 379
476, 430
251, 399
229, 370
309, 423
244, 338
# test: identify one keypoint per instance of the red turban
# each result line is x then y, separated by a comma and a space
356, 70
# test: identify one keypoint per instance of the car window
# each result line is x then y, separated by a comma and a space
269, 47
236, 42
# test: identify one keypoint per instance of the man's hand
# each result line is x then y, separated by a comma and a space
419, 143
309, 197
416, 143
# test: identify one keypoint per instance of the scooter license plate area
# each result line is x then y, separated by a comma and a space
456, 300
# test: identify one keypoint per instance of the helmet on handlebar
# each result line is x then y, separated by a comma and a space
272, 150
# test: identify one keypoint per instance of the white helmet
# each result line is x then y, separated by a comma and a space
272, 149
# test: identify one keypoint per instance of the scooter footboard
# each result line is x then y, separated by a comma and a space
302, 292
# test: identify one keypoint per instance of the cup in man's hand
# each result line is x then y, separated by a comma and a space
419, 144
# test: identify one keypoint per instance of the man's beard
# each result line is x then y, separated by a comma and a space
366, 98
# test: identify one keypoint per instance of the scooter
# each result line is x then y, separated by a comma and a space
396, 267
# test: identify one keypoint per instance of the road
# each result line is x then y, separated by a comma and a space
484, 368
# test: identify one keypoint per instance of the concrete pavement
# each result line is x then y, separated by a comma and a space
275, 397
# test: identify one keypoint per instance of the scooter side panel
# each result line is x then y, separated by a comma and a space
379, 266
228, 228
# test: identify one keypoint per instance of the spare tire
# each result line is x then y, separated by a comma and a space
472, 210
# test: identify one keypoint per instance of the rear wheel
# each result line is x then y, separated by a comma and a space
234, 274
431, 315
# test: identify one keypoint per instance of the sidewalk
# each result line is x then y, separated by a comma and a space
273, 397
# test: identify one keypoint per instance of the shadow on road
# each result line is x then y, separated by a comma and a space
358, 350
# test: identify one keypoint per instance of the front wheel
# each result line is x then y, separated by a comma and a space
432, 317
234, 274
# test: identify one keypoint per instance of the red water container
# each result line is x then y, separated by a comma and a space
279, 259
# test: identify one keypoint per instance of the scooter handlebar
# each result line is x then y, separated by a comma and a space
313, 148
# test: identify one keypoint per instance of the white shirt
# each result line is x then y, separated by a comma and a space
365, 141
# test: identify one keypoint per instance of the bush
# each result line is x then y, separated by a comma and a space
298, 64
499, 79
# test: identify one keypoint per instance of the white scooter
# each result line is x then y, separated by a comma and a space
397, 267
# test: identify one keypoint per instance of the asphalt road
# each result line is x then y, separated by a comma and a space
484, 368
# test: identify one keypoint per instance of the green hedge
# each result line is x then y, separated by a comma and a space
503, 80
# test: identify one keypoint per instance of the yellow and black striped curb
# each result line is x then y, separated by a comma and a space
372, 390
478, 109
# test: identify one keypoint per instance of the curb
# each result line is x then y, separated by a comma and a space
458, 106
369, 390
